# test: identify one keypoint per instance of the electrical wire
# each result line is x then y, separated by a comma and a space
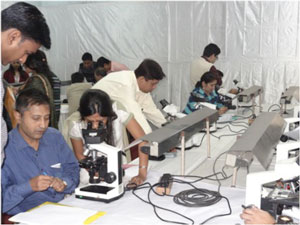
273, 106
156, 206
190, 147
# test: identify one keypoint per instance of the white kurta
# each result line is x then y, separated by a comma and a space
123, 87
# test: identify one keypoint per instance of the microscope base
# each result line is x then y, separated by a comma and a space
98, 193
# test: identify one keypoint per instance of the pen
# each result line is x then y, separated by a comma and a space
44, 173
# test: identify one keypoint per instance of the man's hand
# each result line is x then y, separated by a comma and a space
233, 91
41, 182
58, 184
256, 216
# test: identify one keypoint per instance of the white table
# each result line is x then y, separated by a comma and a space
131, 210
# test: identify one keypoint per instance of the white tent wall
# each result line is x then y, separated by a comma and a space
259, 40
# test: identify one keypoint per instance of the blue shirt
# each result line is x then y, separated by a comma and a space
198, 95
22, 163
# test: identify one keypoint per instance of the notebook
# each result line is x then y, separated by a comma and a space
50, 213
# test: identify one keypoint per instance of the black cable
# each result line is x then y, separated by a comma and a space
272, 107
188, 148
156, 206
224, 135
219, 215
216, 194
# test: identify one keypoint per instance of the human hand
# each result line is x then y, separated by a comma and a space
138, 180
233, 91
58, 184
222, 110
256, 216
41, 182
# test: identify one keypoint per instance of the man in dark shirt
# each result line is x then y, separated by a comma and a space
87, 67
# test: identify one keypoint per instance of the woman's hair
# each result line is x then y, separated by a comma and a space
38, 62
96, 101
207, 77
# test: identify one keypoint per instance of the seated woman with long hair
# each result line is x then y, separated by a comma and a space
96, 107
204, 91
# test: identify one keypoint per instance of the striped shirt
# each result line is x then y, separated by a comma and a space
198, 95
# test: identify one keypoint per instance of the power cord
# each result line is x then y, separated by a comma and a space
189, 148
273, 106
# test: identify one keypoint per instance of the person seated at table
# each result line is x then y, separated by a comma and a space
15, 73
75, 91
99, 74
96, 107
87, 67
204, 91
110, 66
39, 165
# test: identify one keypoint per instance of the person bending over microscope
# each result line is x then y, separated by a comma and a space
204, 91
97, 109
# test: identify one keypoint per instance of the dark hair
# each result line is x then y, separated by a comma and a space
20, 69
149, 69
101, 61
211, 49
30, 97
207, 77
100, 72
87, 56
96, 101
77, 77
28, 20
38, 62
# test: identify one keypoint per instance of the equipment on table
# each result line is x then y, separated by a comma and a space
104, 164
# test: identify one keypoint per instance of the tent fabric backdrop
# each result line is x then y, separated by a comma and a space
259, 40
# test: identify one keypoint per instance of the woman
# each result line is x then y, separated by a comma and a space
96, 107
37, 65
15, 73
205, 92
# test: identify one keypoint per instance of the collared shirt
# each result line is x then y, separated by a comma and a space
22, 163
123, 87
199, 67
198, 95
115, 67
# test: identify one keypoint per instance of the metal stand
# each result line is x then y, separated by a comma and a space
234, 176
208, 138
182, 153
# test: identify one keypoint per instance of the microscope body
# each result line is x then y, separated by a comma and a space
104, 165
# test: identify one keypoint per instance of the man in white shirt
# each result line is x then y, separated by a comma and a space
132, 89
110, 66
205, 63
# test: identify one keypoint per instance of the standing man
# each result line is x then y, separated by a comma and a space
133, 88
23, 31
110, 66
205, 63
39, 165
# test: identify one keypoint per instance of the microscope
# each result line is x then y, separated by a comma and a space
104, 165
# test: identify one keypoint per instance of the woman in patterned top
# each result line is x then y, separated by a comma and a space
204, 91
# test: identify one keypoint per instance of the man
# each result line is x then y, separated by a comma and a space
39, 165
205, 63
133, 88
87, 67
23, 31
110, 66
75, 90
99, 74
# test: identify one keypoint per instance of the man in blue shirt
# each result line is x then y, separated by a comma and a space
39, 166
